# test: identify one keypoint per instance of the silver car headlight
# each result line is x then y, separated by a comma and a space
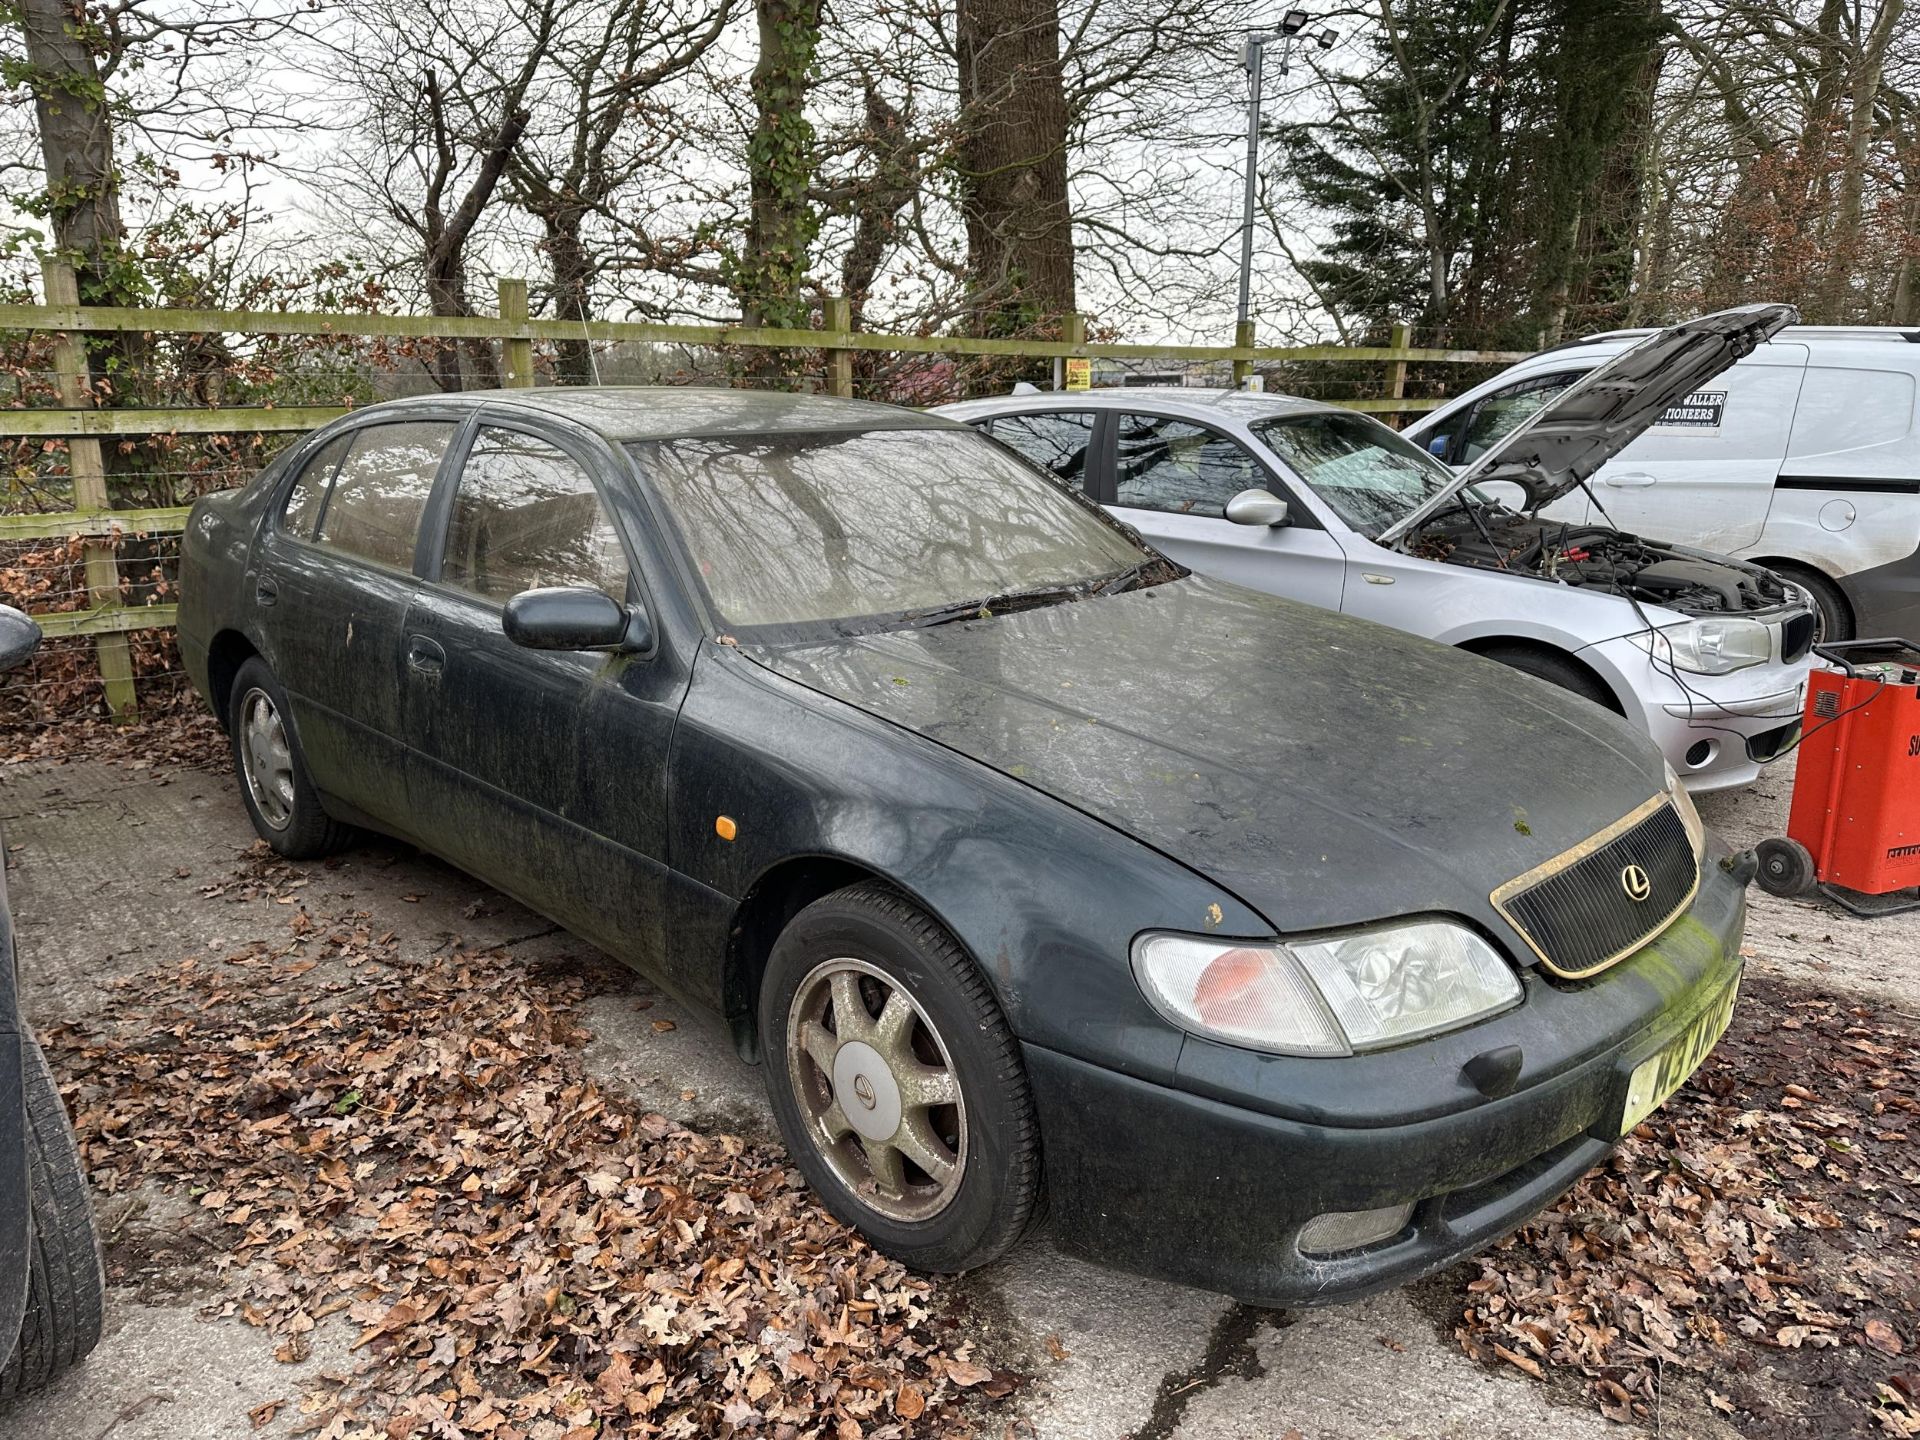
1709, 647
1327, 995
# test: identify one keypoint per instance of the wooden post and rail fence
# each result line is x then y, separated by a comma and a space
83, 425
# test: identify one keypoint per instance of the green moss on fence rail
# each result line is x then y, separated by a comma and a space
445, 327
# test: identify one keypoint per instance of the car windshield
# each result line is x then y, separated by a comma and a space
1369, 474
874, 526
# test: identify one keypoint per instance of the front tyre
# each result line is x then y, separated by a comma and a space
66, 1289
279, 796
896, 1082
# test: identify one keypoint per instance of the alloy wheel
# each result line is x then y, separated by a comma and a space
266, 760
877, 1087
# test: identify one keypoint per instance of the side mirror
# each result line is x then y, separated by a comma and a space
1437, 446
1258, 507
19, 637
573, 618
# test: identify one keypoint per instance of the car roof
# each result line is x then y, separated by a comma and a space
1242, 406
666, 412
1866, 346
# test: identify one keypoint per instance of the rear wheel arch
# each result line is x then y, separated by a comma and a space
228, 652
1509, 650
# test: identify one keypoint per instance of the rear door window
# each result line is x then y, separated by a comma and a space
1056, 440
302, 510
374, 508
526, 515
1180, 467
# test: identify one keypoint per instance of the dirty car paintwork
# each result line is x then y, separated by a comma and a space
1048, 783
1325, 776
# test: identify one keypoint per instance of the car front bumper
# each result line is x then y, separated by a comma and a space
1717, 731
1191, 1188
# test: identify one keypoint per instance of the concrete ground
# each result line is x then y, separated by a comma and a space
109, 872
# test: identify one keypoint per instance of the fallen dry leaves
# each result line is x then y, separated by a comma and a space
176, 731
1761, 1232
415, 1148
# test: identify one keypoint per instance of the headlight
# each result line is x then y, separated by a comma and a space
1709, 647
1332, 995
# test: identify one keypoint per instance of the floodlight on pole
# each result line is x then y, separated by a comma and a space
1291, 24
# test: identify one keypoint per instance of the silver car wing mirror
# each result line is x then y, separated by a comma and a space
1258, 507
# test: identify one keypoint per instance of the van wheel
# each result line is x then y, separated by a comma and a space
897, 1083
66, 1289
1833, 616
1555, 669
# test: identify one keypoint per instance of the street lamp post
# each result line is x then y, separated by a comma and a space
1252, 56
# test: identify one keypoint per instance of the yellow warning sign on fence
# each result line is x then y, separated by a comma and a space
1079, 373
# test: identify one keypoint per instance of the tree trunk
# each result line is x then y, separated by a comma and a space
1843, 251
1012, 162
83, 182
770, 281
445, 261
572, 269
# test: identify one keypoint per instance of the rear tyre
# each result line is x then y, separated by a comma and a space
1833, 616
897, 1083
1555, 670
1786, 866
280, 799
66, 1288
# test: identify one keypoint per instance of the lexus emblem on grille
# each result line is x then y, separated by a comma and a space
1636, 883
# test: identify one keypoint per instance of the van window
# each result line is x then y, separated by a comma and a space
382, 488
1500, 413
1851, 410
526, 515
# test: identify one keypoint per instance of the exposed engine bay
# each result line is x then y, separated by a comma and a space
1595, 556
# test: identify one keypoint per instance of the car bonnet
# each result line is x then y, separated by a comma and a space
1599, 415
1324, 770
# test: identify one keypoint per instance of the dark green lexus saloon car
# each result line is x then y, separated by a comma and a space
1279, 952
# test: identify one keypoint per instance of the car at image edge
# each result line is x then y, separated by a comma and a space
1706, 655
1282, 952
52, 1285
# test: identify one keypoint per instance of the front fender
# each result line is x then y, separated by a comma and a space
1045, 899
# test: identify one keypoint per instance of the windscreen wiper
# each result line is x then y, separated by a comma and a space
995, 605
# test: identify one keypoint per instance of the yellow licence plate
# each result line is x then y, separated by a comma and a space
1657, 1077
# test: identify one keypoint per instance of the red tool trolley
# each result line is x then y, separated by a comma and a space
1854, 829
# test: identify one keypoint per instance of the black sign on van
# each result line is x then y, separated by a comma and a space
1699, 411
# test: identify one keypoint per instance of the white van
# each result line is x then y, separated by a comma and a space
1804, 457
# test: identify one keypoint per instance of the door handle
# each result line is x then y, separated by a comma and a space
1628, 480
425, 655
266, 590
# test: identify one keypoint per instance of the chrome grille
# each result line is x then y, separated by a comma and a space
1579, 911
1796, 638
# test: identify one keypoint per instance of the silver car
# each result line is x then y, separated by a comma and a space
1708, 655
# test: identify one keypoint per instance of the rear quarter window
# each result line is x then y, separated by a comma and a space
302, 510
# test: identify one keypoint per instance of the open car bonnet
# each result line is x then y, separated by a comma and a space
1598, 416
